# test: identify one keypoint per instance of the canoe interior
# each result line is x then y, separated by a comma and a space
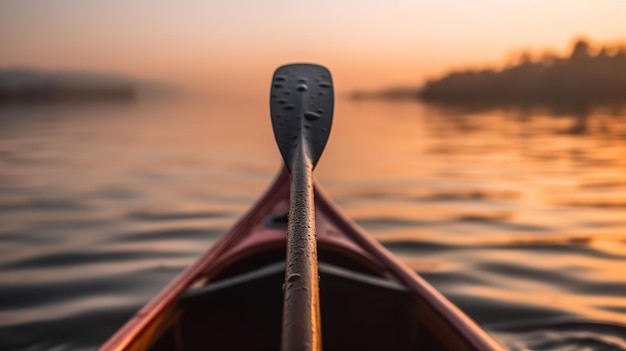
241, 308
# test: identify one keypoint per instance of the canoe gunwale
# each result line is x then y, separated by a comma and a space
433, 301
134, 330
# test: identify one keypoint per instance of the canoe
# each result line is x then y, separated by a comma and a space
231, 298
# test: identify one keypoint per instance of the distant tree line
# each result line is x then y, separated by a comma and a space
56, 93
584, 75
28, 86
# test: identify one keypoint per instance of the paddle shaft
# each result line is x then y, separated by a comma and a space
301, 309
301, 106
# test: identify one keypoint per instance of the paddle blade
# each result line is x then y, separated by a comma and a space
301, 105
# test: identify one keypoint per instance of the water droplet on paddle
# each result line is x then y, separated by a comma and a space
290, 107
303, 80
302, 87
293, 277
325, 84
280, 78
312, 116
282, 101
321, 93
287, 92
278, 85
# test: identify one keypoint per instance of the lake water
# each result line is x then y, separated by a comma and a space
516, 214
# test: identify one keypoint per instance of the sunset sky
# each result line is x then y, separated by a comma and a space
222, 46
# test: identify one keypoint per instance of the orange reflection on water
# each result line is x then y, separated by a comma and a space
599, 308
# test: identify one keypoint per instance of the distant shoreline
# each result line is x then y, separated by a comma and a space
586, 75
27, 86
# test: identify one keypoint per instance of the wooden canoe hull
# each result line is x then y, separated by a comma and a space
369, 299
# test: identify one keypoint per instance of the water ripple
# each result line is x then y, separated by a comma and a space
177, 216
562, 334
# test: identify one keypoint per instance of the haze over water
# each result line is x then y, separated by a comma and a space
514, 212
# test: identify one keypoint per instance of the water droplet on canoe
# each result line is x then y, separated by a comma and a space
282, 101
312, 116
303, 80
321, 93
293, 277
278, 85
280, 78
302, 87
320, 110
290, 107
325, 84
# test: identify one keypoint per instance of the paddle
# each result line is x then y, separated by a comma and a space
301, 106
